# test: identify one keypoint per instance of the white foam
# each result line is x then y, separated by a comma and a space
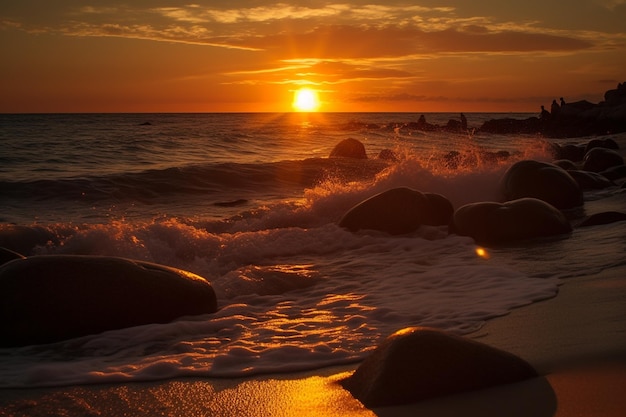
293, 299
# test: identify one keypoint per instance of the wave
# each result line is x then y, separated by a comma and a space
194, 180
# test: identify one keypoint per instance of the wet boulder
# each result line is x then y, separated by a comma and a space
398, 211
349, 148
50, 298
388, 155
418, 363
496, 223
607, 143
601, 159
541, 180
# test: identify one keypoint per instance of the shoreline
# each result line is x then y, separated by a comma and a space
576, 341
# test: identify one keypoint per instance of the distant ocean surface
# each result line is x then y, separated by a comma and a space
251, 202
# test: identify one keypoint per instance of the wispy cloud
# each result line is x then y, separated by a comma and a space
338, 30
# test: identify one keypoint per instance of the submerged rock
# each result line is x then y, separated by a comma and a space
398, 211
418, 363
494, 223
541, 180
50, 298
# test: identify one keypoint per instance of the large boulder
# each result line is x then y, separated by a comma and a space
45, 299
495, 223
418, 363
349, 148
607, 143
601, 159
398, 211
541, 180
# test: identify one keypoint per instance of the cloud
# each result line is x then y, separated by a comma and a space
319, 73
329, 42
331, 31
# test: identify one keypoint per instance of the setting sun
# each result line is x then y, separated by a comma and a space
306, 99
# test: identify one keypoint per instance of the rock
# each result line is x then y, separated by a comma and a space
510, 125
541, 180
50, 298
590, 180
603, 218
398, 211
495, 223
418, 363
388, 155
349, 148
578, 119
607, 143
601, 159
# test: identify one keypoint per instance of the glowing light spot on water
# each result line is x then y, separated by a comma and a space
482, 253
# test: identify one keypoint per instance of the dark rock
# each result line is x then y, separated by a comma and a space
417, 364
509, 125
349, 148
578, 119
495, 223
388, 155
541, 180
46, 299
590, 180
600, 159
607, 143
603, 218
398, 211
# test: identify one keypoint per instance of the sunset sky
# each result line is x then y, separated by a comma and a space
373, 55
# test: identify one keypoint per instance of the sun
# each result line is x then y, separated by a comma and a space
306, 99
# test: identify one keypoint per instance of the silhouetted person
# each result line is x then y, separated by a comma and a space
545, 114
562, 102
463, 122
555, 109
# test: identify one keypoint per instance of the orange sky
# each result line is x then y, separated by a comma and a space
374, 55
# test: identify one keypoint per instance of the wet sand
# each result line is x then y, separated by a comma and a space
576, 341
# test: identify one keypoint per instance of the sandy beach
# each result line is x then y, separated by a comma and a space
576, 341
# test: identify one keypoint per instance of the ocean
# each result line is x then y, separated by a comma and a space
251, 202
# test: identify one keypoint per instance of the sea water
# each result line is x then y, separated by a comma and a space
251, 202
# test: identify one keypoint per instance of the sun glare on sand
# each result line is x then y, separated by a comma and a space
306, 99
